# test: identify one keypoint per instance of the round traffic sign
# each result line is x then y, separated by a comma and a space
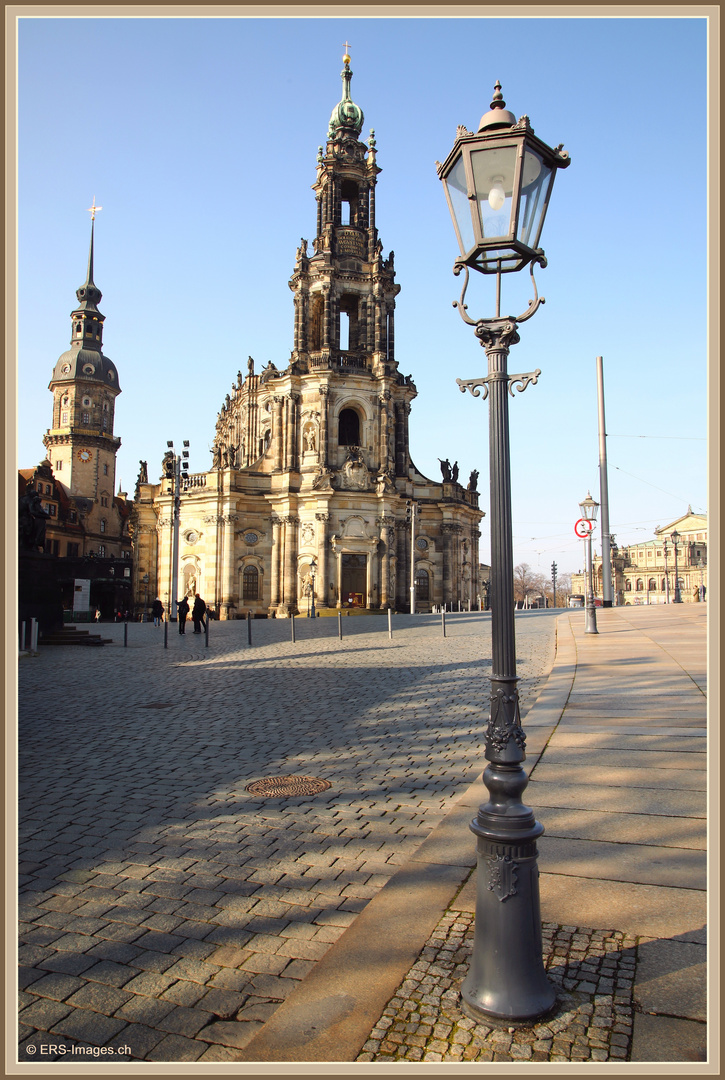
583, 528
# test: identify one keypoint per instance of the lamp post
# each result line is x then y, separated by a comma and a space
553, 580
675, 538
177, 464
498, 183
667, 575
589, 509
410, 507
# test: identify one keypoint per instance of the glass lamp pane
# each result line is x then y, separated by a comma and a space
493, 174
534, 188
457, 189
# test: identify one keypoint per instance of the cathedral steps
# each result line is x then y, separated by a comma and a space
71, 636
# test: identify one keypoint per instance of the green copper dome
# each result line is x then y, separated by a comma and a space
346, 115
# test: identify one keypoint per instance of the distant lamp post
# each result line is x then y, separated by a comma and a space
553, 580
667, 574
313, 569
675, 538
178, 465
498, 183
589, 510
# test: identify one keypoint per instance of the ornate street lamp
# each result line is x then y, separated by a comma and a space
498, 184
667, 574
589, 509
313, 568
410, 508
675, 538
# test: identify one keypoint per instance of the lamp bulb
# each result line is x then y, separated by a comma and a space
497, 195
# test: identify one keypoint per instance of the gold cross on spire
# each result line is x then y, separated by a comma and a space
93, 209
346, 57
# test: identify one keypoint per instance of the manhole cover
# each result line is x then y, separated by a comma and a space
274, 786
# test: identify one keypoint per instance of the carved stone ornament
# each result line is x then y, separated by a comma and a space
502, 873
354, 475
323, 480
307, 533
385, 484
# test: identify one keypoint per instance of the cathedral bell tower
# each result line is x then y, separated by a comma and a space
345, 292
80, 443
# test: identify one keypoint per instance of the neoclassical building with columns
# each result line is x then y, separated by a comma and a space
312, 483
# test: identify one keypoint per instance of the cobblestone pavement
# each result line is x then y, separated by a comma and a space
161, 902
592, 969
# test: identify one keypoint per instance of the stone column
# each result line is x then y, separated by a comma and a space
383, 399
274, 598
278, 431
391, 331
289, 599
387, 535
326, 318
447, 530
324, 401
227, 603
323, 585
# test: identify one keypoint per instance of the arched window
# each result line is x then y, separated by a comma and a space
250, 583
349, 428
640, 585
628, 585
652, 586
350, 199
422, 585
103, 525
664, 585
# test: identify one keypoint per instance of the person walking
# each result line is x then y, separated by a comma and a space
197, 614
183, 613
157, 610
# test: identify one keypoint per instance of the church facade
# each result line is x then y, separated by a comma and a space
312, 487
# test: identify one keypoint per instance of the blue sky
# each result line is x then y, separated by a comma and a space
198, 137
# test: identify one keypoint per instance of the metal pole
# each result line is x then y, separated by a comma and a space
312, 578
339, 625
604, 494
678, 597
553, 580
125, 635
166, 633
443, 620
292, 624
390, 623
22, 637
34, 636
249, 628
206, 631
667, 575
590, 618
506, 978
175, 539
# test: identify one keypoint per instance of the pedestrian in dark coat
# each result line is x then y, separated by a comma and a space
157, 610
197, 614
183, 615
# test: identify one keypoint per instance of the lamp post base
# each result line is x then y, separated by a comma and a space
506, 981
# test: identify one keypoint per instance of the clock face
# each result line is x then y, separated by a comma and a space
421, 543
250, 538
84, 455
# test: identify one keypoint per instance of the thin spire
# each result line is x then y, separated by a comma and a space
92, 210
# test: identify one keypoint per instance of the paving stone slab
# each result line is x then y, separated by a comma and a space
681, 868
671, 979
666, 1039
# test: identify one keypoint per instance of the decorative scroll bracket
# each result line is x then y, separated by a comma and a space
479, 387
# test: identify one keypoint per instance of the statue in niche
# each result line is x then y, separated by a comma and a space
32, 518
473, 481
191, 585
445, 469
309, 438
454, 472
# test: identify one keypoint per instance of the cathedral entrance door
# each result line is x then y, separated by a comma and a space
354, 580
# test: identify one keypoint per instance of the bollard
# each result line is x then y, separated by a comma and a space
443, 620
125, 635
249, 628
292, 622
390, 623
166, 635
206, 631
22, 636
469, 605
339, 625
34, 636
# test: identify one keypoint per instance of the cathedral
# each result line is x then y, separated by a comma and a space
312, 489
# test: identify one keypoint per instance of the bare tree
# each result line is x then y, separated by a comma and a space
527, 583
